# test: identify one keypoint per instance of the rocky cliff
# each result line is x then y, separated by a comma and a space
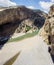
19, 18
49, 18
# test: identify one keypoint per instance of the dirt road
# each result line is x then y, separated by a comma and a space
33, 52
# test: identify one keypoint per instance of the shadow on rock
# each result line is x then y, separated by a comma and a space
52, 56
2, 43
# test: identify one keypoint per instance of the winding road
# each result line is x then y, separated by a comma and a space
34, 51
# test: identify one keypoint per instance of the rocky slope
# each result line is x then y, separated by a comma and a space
49, 18
19, 19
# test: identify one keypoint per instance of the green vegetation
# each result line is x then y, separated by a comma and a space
27, 28
27, 35
12, 60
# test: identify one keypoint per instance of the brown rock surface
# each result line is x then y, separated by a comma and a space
46, 29
12, 19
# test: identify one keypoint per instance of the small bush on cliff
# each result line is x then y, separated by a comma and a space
27, 28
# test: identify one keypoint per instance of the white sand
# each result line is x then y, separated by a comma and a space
33, 52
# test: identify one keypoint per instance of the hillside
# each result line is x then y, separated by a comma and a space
19, 19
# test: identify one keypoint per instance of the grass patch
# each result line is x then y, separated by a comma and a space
12, 60
27, 35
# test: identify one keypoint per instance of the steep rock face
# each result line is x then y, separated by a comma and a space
17, 18
45, 30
